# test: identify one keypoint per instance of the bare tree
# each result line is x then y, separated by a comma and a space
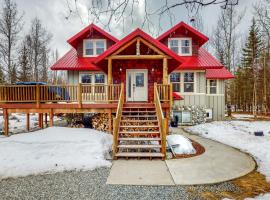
107, 11
39, 39
10, 27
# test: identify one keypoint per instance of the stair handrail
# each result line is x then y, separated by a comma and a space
162, 121
116, 120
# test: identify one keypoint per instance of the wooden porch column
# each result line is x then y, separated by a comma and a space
6, 128
109, 71
51, 118
165, 71
41, 120
110, 120
27, 121
46, 119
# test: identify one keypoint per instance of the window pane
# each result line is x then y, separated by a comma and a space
175, 77
89, 51
100, 44
139, 79
186, 117
176, 87
99, 51
213, 90
86, 78
189, 77
185, 50
173, 43
175, 49
213, 83
185, 43
188, 87
89, 47
99, 78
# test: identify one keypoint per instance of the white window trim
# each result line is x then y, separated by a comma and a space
93, 75
94, 46
182, 82
179, 45
208, 87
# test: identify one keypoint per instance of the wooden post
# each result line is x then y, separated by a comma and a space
165, 71
109, 71
110, 121
38, 95
171, 96
27, 121
41, 120
51, 118
46, 119
138, 48
6, 129
79, 95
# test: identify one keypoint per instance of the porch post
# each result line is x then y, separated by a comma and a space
165, 71
27, 121
6, 123
109, 71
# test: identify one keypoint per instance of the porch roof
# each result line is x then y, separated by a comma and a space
222, 73
71, 61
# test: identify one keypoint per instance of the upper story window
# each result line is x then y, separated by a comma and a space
175, 79
189, 82
94, 47
181, 46
212, 86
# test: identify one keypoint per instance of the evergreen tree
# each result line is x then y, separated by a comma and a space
25, 68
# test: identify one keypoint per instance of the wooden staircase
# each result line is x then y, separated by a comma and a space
139, 135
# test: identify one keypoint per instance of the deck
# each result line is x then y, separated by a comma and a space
55, 99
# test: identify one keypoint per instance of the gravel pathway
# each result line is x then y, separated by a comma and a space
92, 185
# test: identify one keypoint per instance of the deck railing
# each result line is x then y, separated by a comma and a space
117, 119
165, 93
81, 93
162, 121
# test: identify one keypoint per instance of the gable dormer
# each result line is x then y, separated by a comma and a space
91, 41
183, 39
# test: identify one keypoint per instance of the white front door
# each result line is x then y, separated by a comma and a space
137, 85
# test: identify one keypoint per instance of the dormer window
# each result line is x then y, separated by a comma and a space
94, 47
181, 46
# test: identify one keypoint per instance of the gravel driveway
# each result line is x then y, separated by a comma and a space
92, 185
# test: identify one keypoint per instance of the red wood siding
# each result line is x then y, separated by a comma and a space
153, 76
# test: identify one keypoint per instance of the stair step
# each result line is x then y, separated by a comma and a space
139, 132
138, 111
137, 146
139, 126
139, 154
140, 139
142, 120
139, 116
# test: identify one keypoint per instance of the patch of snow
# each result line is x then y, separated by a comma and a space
52, 150
261, 197
181, 144
240, 134
243, 116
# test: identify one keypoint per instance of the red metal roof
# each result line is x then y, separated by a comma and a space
73, 40
139, 32
222, 73
177, 96
71, 61
204, 60
189, 28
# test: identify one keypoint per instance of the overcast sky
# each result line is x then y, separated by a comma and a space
53, 13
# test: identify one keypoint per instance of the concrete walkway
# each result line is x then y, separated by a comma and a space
219, 163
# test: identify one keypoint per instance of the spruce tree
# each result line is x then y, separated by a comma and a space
25, 68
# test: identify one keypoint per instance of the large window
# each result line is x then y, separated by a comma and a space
92, 78
93, 47
175, 79
188, 82
212, 86
181, 46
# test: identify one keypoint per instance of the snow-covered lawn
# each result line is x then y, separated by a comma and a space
52, 150
240, 134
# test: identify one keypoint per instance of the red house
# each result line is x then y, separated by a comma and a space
137, 78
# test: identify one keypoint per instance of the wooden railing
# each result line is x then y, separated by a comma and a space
117, 119
81, 93
165, 93
162, 121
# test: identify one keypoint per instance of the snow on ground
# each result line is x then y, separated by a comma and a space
52, 150
240, 134
261, 197
243, 116
180, 144
17, 122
